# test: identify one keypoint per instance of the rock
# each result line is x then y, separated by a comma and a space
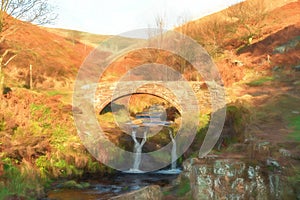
235, 179
249, 140
273, 163
137, 121
152, 192
296, 68
227, 179
292, 44
262, 150
73, 184
237, 63
7, 92
263, 145
280, 50
285, 153
187, 165
276, 68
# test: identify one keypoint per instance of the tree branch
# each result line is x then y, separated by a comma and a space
10, 59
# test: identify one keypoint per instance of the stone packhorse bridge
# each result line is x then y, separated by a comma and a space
177, 93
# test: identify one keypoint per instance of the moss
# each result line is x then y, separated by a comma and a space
260, 81
184, 187
294, 124
73, 184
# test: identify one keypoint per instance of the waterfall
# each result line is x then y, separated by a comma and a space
174, 150
137, 150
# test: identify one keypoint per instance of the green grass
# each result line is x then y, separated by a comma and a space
279, 109
260, 81
66, 95
54, 93
294, 123
22, 183
184, 187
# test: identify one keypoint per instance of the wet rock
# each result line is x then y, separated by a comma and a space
73, 184
147, 193
187, 165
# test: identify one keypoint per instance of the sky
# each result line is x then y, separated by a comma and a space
113, 17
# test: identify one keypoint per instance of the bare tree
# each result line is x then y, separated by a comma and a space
249, 15
160, 23
35, 11
212, 34
183, 27
183, 24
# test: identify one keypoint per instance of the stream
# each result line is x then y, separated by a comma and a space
123, 182
106, 187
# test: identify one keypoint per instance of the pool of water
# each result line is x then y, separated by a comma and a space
106, 187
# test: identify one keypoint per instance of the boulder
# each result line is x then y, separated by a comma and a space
234, 179
152, 192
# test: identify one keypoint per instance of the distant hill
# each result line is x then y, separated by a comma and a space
89, 39
55, 54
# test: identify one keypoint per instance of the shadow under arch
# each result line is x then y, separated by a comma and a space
174, 106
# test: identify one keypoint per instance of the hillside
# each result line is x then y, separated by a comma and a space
55, 59
55, 54
90, 39
258, 56
238, 37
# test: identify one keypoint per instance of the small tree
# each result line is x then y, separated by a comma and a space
212, 34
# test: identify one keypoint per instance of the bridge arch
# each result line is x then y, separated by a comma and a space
104, 96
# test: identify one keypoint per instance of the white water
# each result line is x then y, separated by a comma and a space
138, 151
174, 151
169, 171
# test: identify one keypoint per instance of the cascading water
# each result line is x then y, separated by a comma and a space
174, 151
137, 150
